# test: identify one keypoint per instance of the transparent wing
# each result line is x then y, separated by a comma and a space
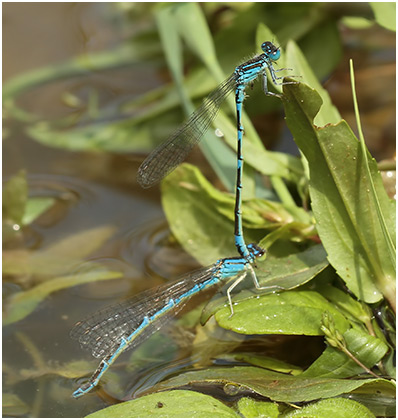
102, 332
168, 155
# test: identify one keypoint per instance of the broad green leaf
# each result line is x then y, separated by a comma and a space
201, 217
385, 13
389, 241
193, 217
333, 363
367, 348
251, 408
332, 408
273, 385
345, 212
351, 308
291, 312
21, 304
276, 274
172, 404
293, 270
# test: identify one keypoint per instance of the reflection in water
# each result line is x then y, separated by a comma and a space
151, 248
106, 290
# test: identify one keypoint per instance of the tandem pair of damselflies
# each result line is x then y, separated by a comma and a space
112, 330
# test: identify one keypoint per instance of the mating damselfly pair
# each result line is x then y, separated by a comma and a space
112, 330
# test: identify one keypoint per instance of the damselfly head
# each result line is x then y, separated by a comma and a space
271, 51
256, 250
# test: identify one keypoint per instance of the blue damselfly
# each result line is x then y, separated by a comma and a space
112, 330
167, 156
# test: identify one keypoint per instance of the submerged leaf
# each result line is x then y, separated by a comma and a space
15, 195
57, 258
13, 406
22, 304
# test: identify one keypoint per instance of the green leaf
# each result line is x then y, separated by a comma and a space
345, 211
350, 307
275, 273
251, 408
171, 43
172, 404
267, 363
332, 408
297, 313
201, 217
385, 14
276, 386
193, 27
367, 348
357, 22
389, 241
175, 19
193, 217
333, 363
293, 270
